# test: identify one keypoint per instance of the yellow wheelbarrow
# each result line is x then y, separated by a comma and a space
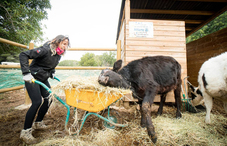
90, 101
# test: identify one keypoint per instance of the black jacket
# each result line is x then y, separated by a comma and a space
43, 64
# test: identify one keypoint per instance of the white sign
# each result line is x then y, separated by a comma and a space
141, 29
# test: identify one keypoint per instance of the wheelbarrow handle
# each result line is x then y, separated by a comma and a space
40, 83
56, 78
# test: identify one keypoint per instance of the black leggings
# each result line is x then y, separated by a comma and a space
36, 93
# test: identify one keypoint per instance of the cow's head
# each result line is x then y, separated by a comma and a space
112, 78
196, 95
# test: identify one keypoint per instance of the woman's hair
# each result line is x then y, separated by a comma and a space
56, 41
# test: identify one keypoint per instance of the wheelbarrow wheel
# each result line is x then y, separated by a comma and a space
114, 116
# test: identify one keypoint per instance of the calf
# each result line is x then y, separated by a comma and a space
147, 77
212, 81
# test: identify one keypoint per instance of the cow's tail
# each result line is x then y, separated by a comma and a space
179, 75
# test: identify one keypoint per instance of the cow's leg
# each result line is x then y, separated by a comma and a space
163, 99
177, 95
225, 106
146, 115
143, 118
208, 103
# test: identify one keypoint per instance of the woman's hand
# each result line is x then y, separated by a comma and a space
28, 78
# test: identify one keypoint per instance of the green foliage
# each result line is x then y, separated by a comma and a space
20, 22
218, 23
68, 63
88, 59
106, 59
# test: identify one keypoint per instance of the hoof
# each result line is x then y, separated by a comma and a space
143, 125
178, 115
154, 139
159, 113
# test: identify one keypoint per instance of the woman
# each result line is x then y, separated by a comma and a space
45, 59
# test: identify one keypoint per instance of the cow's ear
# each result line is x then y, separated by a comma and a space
117, 65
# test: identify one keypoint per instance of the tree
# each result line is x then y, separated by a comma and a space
20, 22
88, 59
68, 63
108, 59
218, 23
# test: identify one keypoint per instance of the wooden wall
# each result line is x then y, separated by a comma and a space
202, 49
168, 39
122, 38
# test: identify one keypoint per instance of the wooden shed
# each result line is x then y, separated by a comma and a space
202, 49
160, 27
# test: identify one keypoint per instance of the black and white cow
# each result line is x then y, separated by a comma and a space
147, 77
212, 81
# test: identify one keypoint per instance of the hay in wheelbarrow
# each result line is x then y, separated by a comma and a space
90, 83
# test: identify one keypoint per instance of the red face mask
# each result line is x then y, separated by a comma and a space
59, 51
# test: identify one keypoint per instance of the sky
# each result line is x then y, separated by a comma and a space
87, 23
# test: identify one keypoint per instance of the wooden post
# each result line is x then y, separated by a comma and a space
126, 27
27, 98
118, 49
127, 11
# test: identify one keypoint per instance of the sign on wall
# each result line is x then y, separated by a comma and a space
141, 29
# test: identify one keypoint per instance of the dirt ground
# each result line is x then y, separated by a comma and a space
12, 120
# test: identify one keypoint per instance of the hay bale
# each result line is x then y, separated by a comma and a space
90, 83
189, 130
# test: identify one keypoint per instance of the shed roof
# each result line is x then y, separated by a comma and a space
195, 13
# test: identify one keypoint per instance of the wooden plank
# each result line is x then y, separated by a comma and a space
186, 21
156, 48
206, 55
92, 49
140, 53
169, 98
156, 43
11, 89
129, 58
118, 49
169, 33
127, 10
165, 33
158, 38
180, 56
179, 12
170, 28
182, 61
13, 43
122, 20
